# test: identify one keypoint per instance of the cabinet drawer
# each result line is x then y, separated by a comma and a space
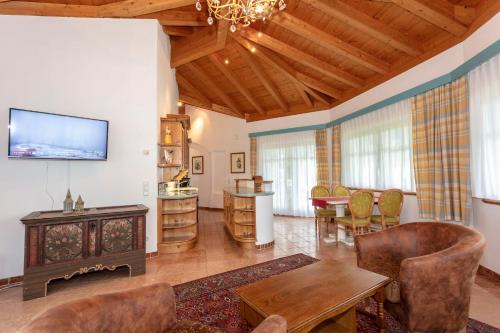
243, 217
179, 205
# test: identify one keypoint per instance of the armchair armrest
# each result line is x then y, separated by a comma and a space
436, 288
272, 324
382, 252
146, 309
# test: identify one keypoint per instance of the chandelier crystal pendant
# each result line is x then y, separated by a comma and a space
243, 12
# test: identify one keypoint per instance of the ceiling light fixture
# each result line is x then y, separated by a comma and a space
240, 11
226, 61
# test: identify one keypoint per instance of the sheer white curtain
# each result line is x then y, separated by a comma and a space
484, 106
377, 149
290, 161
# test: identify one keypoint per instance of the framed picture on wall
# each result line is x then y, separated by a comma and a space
197, 165
237, 162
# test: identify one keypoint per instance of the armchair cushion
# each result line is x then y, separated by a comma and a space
377, 219
357, 220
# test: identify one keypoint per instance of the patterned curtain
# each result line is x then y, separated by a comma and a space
253, 156
322, 158
336, 154
440, 120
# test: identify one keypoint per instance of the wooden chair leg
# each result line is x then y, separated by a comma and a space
337, 236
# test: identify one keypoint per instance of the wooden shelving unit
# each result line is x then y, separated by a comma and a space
239, 218
177, 215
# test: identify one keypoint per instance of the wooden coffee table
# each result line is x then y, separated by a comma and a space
312, 294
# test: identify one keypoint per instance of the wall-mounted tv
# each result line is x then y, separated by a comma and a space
52, 136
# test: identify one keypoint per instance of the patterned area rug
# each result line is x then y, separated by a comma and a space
211, 300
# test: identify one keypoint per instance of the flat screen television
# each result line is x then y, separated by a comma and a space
52, 136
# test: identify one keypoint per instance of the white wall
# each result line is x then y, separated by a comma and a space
214, 133
100, 68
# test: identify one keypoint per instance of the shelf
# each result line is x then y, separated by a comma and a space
246, 223
179, 211
180, 238
244, 209
178, 225
169, 165
168, 145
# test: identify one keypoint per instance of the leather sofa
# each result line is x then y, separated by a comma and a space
434, 264
149, 309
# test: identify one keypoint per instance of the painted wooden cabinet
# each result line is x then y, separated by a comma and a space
61, 245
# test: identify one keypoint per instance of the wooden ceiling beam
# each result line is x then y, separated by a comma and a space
178, 18
189, 100
47, 9
202, 43
184, 81
127, 8
264, 79
274, 61
319, 86
301, 57
432, 15
330, 42
235, 82
200, 73
367, 24
178, 31
132, 8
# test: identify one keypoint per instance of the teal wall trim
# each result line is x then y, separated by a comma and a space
461, 70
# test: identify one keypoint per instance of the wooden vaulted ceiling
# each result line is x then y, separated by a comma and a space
314, 55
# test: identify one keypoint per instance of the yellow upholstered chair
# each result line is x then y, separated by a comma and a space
341, 191
326, 214
390, 204
361, 206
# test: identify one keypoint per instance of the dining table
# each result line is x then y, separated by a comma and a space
340, 203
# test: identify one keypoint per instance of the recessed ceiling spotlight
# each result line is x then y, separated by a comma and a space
253, 49
179, 103
226, 61
259, 34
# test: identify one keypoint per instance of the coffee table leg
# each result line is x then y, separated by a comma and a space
379, 297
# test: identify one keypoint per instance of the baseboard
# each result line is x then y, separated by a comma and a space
212, 209
150, 255
488, 273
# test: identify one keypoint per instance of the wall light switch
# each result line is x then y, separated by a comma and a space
145, 152
145, 189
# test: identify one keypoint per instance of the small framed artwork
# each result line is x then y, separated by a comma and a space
197, 165
237, 162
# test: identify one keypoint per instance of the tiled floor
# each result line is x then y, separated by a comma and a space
214, 253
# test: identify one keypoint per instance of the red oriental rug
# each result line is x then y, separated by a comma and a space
211, 300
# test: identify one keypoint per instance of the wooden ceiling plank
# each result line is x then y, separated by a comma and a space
178, 31
47, 9
330, 42
274, 61
200, 73
304, 95
367, 24
184, 81
202, 43
235, 82
320, 86
178, 18
132, 8
302, 57
438, 18
265, 80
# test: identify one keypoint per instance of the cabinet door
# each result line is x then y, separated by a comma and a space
62, 242
117, 235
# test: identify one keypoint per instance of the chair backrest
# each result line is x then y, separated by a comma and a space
341, 191
319, 191
391, 202
361, 203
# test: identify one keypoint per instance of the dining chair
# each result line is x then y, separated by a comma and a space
361, 206
341, 191
390, 204
326, 214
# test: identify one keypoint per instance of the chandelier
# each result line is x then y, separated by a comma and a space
240, 11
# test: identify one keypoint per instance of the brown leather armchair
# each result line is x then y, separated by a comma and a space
434, 264
149, 309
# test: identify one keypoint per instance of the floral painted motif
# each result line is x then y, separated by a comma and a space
63, 242
117, 235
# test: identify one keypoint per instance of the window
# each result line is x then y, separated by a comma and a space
290, 161
377, 149
484, 106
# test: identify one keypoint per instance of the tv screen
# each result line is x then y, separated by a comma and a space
52, 136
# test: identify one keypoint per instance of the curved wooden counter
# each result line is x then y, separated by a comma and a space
248, 217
